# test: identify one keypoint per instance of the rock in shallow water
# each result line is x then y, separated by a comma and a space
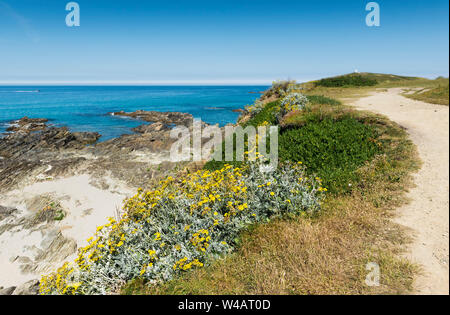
26, 124
174, 118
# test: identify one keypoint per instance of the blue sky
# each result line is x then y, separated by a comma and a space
245, 41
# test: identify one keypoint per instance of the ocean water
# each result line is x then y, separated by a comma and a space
86, 108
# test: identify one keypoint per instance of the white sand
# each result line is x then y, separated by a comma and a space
428, 213
87, 207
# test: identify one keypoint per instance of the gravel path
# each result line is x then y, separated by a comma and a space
428, 212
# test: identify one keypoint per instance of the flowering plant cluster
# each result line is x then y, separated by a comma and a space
185, 223
255, 108
292, 102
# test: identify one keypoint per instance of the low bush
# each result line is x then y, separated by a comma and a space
184, 224
279, 89
291, 102
347, 81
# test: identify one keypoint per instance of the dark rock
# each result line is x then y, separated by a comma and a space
86, 137
175, 118
6, 211
7, 291
155, 127
27, 125
29, 288
20, 143
22, 152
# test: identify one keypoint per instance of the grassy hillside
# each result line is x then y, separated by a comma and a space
366, 161
345, 92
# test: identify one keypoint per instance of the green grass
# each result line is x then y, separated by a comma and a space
321, 99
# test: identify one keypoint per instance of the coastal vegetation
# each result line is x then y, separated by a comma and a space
325, 252
437, 95
310, 227
184, 224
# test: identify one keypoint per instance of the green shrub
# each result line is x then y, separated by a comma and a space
267, 114
332, 149
279, 88
347, 81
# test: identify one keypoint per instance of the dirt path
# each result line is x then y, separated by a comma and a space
428, 213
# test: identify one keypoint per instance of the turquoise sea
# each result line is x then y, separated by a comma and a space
86, 108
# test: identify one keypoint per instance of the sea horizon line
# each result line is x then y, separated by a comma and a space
141, 83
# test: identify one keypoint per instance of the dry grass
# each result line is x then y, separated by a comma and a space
326, 254
438, 95
386, 81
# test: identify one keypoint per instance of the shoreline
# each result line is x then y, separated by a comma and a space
42, 166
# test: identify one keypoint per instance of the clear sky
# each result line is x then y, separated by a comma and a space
245, 41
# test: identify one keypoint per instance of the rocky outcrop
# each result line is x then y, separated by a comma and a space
7, 291
29, 288
32, 145
6, 212
155, 127
26, 124
22, 143
168, 118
